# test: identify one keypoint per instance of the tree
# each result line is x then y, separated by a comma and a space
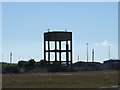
22, 63
31, 63
43, 63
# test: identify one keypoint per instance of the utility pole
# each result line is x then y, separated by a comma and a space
48, 30
2, 57
78, 58
92, 55
87, 51
10, 57
65, 30
109, 52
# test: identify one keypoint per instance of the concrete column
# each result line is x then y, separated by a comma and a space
49, 51
60, 51
67, 53
55, 50
44, 50
71, 51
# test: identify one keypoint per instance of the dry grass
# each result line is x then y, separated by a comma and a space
89, 79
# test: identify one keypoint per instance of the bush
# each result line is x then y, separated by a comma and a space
10, 69
56, 68
22, 63
31, 63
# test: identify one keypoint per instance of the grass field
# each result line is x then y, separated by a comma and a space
89, 79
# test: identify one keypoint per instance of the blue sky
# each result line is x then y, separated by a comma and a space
23, 25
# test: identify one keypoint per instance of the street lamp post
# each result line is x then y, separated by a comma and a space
78, 58
109, 52
87, 52
10, 57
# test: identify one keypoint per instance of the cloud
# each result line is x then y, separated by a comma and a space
105, 43
96, 44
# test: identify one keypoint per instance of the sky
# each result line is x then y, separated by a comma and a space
119, 31
0, 30
95, 23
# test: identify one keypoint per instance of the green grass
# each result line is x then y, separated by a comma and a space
90, 79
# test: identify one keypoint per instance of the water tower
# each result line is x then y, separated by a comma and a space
58, 37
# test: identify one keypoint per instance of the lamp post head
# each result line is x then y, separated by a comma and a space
48, 29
